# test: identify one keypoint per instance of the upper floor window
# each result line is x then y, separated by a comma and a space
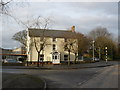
41, 39
54, 47
65, 48
65, 39
54, 39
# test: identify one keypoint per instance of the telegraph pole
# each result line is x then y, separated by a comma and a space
93, 50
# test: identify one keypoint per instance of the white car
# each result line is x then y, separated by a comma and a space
12, 61
96, 59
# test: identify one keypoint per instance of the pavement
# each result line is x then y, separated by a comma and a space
63, 67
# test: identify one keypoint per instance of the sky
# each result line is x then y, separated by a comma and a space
85, 16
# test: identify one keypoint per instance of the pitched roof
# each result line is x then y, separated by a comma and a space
51, 33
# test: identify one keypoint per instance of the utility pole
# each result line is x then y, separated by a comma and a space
93, 50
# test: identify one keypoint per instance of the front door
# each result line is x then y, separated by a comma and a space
56, 58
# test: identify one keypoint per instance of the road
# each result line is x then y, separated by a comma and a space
107, 79
79, 78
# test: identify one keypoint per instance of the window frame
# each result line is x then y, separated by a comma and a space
54, 39
65, 39
65, 58
41, 57
54, 47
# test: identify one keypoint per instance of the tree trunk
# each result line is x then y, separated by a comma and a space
38, 59
69, 58
42, 62
42, 58
27, 62
75, 58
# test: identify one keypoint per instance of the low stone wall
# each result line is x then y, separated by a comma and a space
35, 63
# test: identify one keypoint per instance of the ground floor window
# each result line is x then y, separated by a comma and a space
41, 57
65, 57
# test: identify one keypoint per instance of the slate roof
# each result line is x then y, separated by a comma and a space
51, 33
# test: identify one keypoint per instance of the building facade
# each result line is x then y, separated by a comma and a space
15, 54
54, 45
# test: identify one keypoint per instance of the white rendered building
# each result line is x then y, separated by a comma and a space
54, 50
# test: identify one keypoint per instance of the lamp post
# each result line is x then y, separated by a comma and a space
93, 50
106, 54
28, 47
99, 53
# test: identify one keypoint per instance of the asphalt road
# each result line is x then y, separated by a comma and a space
107, 79
78, 78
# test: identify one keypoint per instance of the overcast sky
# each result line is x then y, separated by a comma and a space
85, 16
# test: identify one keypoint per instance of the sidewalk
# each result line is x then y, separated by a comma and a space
77, 66
61, 67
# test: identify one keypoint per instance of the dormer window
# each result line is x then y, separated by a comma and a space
54, 39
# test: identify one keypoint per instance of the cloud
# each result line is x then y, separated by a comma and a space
84, 15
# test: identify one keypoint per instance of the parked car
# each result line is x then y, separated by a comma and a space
4, 60
12, 61
97, 59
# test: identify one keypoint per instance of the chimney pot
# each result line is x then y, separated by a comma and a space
73, 28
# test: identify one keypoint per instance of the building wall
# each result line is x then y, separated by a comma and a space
17, 51
49, 49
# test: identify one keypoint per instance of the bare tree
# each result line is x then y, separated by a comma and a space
75, 49
39, 42
76, 44
39, 46
99, 32
4, 6
69, 46
21, 37
7, 10
102, 39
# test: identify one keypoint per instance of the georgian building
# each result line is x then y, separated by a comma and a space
54, 50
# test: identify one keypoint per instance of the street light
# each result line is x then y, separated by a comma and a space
99, 53
93, 50
106, 54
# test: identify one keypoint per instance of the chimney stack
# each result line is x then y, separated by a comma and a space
73, 28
